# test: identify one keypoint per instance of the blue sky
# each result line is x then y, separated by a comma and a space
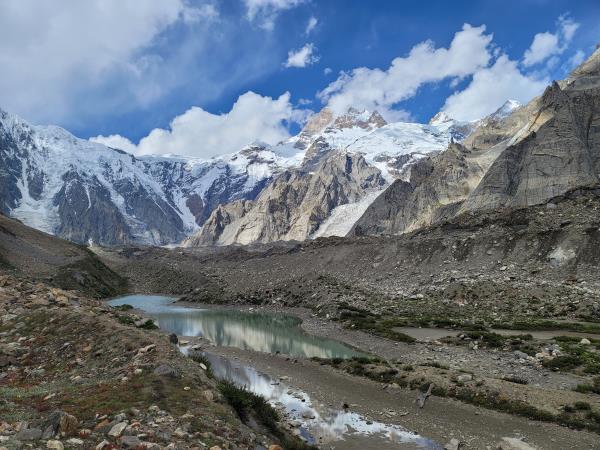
132, 70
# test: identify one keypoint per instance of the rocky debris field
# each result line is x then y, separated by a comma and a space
527, 264
76, 373
490, 281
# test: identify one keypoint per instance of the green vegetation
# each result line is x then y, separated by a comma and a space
123, 307
201, 359
374, 323
589, 388
125, 319
249, 405
548, 325
576, 357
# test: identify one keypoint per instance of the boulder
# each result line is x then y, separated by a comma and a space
56, 445
454, 444
507, 443
130, 441
117, 429
164, 370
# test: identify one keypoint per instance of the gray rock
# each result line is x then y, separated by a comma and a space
130, 441
29, 434
164, 370
520, 355
454, 444
508, 443
464, 378
117, 429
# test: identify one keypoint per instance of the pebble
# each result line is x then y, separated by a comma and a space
57, 445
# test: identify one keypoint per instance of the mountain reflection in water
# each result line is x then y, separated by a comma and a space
316, 423
270, 333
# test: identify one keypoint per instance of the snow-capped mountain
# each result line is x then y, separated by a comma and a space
85, 191
88, 192
348, 161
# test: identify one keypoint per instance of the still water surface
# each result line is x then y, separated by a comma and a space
269, 333
316, 423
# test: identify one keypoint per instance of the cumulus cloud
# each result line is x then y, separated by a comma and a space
51, 51
380, 89
302, 57
264, 12
546, 44
490, 88
199, 133
310, 26
116, 141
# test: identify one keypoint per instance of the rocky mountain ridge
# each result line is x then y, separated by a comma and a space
515, 158
89, 193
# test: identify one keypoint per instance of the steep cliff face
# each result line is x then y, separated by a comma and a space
518, 156
348, 161
561, 150
294, 205
435, 188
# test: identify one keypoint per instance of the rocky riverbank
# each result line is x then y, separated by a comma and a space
76, 373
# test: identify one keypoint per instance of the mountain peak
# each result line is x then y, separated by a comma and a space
505, 110
356, 118
590, 66
440, 118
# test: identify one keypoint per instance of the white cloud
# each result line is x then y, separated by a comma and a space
543, 46
310, 26
199, 133
490, 88
51, 51
548, 44
302, 57
327, 70
576, 59
116, 141
379, 89
266, 11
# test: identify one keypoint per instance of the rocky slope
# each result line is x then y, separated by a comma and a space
28, 252
118, 387
561, 150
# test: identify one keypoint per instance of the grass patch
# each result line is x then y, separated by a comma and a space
375, 324
589, 388
549, 325
123, 307
435, 364
249, 405
125, 319
577, 357
201, 359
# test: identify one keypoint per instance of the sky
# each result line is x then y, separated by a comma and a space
202, 78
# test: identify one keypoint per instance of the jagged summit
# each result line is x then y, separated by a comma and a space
506, 109
440, 118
